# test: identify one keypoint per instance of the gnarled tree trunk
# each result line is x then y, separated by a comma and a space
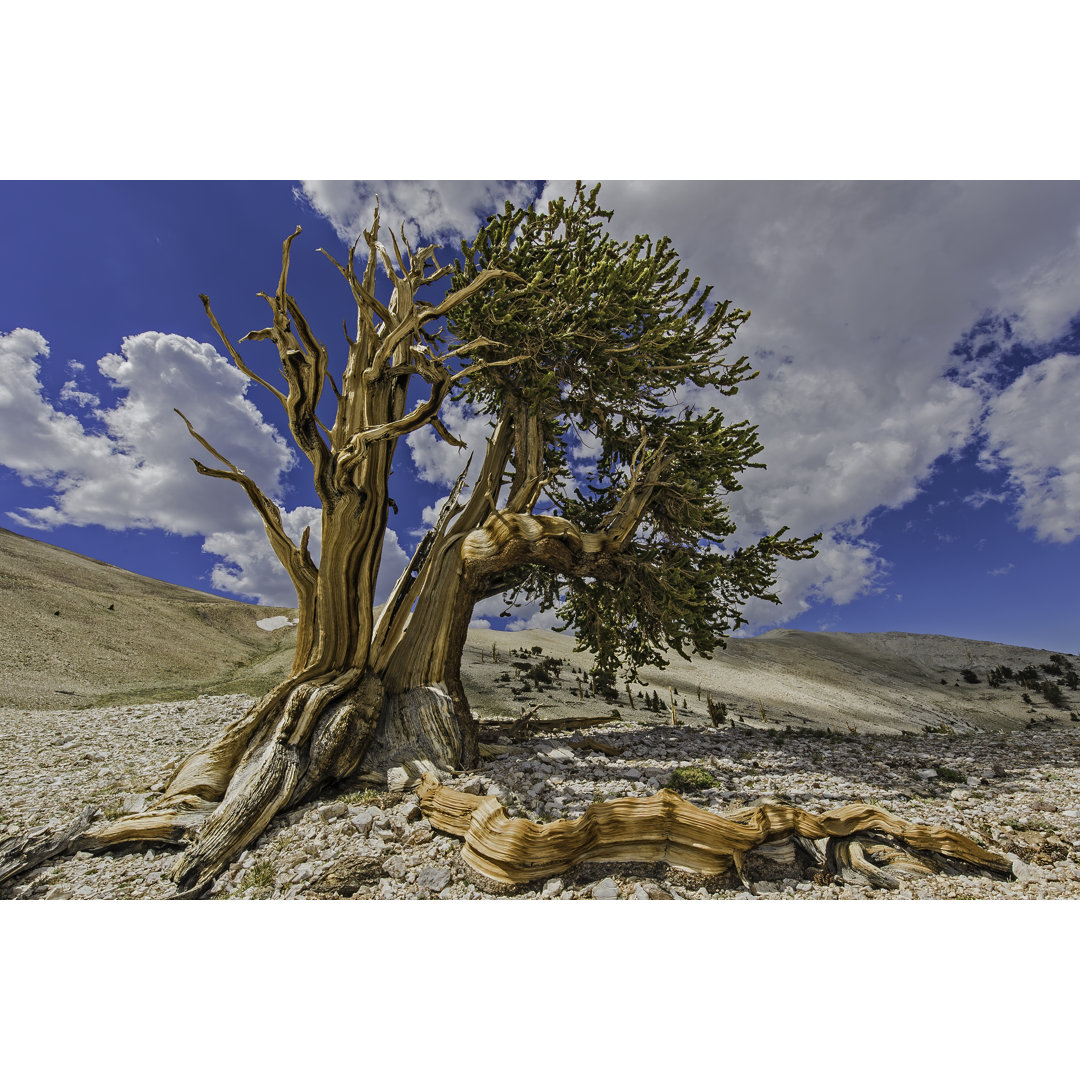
346, 690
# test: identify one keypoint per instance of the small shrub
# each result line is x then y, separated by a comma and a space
969, 676
260, 876
717, 711
539, 673
1029, 677
692, 778
368, 795
1052, 692
951, 775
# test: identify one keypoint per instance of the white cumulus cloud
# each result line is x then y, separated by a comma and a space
859, 293
845, 568
1033, 434
135, 472
438, 211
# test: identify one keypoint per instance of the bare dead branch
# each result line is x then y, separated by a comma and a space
296, 560
237, 359
363, 298
445, 435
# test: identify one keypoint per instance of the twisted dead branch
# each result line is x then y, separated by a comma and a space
666, 828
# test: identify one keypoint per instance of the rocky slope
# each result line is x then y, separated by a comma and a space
1015, 792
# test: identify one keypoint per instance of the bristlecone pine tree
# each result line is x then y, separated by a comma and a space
554, 330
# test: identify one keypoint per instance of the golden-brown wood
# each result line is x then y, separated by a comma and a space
661, 828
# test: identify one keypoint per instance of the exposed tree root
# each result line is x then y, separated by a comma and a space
666, 828
21, 853
299, 738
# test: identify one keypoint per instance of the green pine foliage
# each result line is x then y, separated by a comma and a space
1053, 694
604, 334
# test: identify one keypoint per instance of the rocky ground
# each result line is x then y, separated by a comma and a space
1016, 792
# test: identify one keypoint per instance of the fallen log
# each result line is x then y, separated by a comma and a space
601, 747
528, 722
666, 828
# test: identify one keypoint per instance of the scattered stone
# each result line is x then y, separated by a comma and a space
362, 818
56, 762
1025, 873
433, 878
396, 867
605, 890
420, 832
655, 892
552, 887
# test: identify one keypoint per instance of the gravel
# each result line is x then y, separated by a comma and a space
1017, 793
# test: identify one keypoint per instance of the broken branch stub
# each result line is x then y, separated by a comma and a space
661, 828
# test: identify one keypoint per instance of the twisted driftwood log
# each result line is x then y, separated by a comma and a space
666, 828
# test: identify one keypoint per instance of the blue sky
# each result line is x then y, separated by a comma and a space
919, 344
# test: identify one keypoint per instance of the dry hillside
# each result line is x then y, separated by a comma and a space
877, 683
76, 631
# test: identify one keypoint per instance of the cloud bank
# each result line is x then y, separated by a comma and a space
859, 291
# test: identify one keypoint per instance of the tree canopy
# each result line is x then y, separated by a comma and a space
607, 334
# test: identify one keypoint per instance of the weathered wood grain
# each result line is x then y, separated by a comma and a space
666, 828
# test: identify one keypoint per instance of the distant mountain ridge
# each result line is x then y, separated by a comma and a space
78, 631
